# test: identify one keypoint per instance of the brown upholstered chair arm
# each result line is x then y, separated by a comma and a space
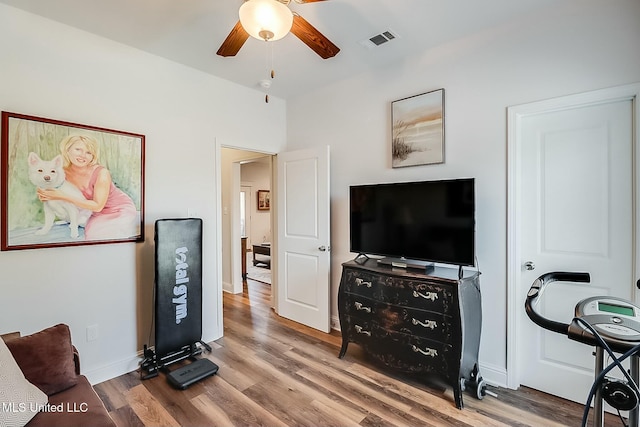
9, 336
76, 359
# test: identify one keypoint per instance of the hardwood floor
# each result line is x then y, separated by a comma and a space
275, 372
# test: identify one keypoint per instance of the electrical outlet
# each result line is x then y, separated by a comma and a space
92, 332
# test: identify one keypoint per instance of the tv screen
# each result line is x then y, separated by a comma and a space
428, 220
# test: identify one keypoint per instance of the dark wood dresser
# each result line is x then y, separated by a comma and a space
416, 323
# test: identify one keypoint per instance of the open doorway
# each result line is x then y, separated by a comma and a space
246, 217
255, 218
300, 220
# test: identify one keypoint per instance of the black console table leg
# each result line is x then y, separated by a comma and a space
457, 394
343, 349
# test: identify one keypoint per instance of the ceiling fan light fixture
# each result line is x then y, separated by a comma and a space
267, 20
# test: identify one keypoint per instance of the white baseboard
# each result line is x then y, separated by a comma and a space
494, 375
121, 367
335, 323
227, 287
115, 369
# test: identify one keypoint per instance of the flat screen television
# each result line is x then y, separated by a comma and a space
426, 221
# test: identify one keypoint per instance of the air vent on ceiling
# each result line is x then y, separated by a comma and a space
379, 39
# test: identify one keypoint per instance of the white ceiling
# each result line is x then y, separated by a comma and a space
191, 31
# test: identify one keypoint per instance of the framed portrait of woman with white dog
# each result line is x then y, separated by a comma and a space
66, 184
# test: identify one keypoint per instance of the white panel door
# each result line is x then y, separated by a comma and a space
303, 237
576, 215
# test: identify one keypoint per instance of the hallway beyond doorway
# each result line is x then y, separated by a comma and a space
258, 272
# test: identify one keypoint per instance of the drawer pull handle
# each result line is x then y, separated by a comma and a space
431, 324
431, 352
361, 282
429, 295
360, 330
359, 306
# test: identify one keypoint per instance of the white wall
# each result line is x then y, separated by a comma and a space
578, 46
53, 71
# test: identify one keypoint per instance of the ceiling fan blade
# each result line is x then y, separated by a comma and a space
313, 38
234, 41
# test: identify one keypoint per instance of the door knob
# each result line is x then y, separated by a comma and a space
322, 248
529, 265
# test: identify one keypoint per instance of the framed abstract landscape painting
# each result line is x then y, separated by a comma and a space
417, 124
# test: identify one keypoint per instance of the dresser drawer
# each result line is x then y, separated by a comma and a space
420, 294
361, 283
394, 318
359, 306
360, 330
410, 354
421, 323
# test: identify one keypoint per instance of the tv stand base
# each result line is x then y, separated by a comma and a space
407, 263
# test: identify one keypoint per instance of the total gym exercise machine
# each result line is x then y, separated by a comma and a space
178, 304
611, 325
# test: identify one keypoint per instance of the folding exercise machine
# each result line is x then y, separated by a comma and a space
178, 303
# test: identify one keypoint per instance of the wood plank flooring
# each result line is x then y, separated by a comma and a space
275, 372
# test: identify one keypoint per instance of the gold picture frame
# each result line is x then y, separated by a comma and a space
417, 124
264, 200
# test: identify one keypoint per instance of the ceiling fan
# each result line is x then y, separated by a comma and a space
250, 24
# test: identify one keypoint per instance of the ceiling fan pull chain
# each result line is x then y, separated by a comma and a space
273, 73
266, 83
